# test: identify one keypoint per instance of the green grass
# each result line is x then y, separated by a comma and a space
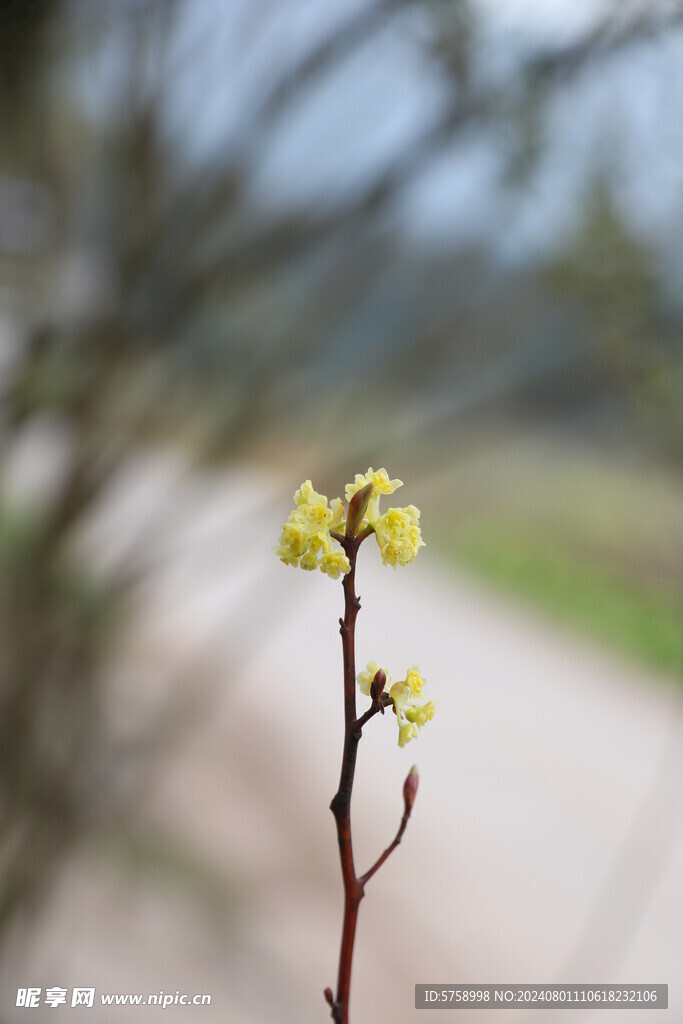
639, 616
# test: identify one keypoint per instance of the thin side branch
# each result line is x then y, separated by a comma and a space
364, 879
372, 711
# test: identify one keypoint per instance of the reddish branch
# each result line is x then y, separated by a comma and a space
409, 791
354, 886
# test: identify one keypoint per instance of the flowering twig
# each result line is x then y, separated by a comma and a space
306, 542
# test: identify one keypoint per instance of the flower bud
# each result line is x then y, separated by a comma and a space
410, 789
377, 685
329, 995
357, 508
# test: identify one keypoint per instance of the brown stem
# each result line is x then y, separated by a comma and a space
341, 803
354, 887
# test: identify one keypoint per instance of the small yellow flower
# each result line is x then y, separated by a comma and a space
311, 508
399, 694
398, 535
334, 564
307, 493
410, 715
305, 539
381, 484
292, 540
316, 516
420, 714
379, 479
407, 732
287, 556
337, 510
365, 678
308, 561
414, 681
320, 543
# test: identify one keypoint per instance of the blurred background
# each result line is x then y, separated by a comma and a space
247, 242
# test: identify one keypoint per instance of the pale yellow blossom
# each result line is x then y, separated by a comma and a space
309, 561
287, 556
414, 681
305, 540
337, 510
411, 716
420, 714
406, 732
400, 694
381, 485
293, 539
306, 492
334, 564
398, 535
320, 543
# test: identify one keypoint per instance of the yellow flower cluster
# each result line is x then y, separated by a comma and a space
398, 535
305, 540
398, 530
410, 714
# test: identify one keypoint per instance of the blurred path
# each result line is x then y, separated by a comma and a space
547, 840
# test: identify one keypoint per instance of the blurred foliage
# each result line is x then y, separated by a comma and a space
635, 344
637, 615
